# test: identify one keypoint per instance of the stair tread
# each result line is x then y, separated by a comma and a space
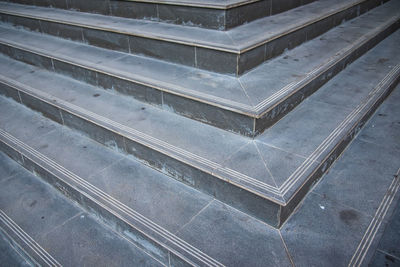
236, 40
168, 203
221, 4
66, 232
251, 94
254, 164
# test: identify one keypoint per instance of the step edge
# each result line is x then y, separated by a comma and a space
240, 49
181, 155
40, 160
36, 255
377, 96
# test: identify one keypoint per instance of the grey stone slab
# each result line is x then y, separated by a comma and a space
265, 81
251, 59
390, 241
8, 167
134, 67
94, 131
43, 43
52, 3
247, 13
168, 203
235, 239
84, 241
27, 23
192, 16
76, 72
281, 164
136, 10
11, 68
96, 6
177, 53
42, 107
217, 61
126, 87
14, 112
321, 231
360, 179
209, 114
10, 256
32, 59
384, 129
249, 161
218, 88
83, 157
70, 32
24, 196
304, 129
383, 259
109, 40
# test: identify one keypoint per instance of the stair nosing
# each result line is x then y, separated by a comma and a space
282, 191
238, 50
39, 159
236, 3
257, 111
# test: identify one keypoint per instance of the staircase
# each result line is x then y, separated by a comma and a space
153, 118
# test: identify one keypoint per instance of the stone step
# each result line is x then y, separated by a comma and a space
151, 210
266, 176
230, 52
219, 15
246, 105
45, 228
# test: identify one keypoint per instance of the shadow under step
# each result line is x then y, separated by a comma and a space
265, 177
231, 52
247, 105
222, 15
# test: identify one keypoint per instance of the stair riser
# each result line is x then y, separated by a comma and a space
26, 252
182, 170
334, 154
211, 18
274, 114
133, 232
227, 62
222, 118
229, 120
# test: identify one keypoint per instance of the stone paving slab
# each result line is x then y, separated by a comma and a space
342, 221
231, 52
130, 120
246, 105
172, 205
62, 229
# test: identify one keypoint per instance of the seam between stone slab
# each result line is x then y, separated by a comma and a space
286, 248
373, 227
195, 216
221, 47
24, 149
389, 80
63, 223
178, 153
29, 241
